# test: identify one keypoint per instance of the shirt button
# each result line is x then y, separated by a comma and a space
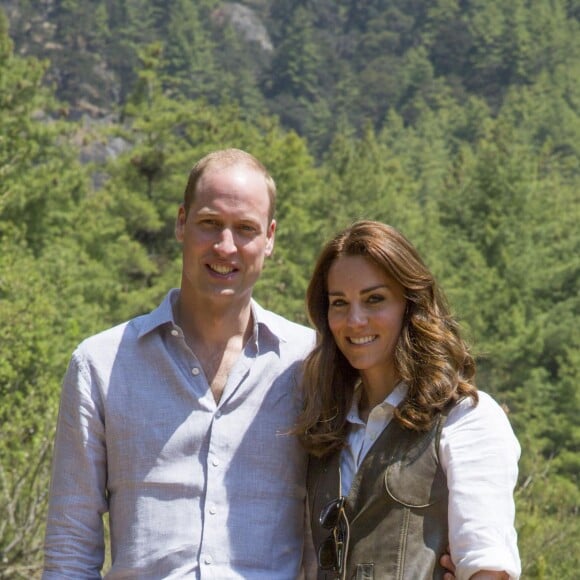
175, 332
212, 510
218, 414
215, 462
208, 560
195, 371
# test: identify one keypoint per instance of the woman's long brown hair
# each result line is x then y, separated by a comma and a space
430, 356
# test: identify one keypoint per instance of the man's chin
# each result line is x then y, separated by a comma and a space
226, 293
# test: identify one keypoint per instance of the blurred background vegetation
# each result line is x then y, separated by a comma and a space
457, 121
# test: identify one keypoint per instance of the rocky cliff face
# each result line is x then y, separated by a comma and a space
246, 22
85, 70
81, 77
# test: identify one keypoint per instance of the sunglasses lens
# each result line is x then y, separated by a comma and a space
332, 551
331, 513
327, 555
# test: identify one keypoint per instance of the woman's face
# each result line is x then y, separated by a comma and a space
365, 314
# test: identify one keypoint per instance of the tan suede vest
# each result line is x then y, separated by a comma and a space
397, 506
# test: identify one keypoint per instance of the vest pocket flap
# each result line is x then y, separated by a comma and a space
416, 480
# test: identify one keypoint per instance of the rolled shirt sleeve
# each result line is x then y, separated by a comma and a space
74, 542
479, 453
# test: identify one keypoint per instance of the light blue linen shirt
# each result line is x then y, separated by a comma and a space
193, 488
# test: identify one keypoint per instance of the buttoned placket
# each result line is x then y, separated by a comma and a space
175, 332
215, 528
215, 516
214, 487
215, 533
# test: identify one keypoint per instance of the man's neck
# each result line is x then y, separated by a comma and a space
216, 335
214, 322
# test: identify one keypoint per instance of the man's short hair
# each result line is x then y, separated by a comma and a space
227, 158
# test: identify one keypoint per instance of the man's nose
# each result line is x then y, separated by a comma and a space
225, 243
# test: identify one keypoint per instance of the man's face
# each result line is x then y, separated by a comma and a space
226, 234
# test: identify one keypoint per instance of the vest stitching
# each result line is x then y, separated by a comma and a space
397, 457
440, 423
403, 544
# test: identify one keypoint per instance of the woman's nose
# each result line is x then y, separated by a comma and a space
356, 315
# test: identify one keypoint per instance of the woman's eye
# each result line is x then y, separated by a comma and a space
337, 303
375, 298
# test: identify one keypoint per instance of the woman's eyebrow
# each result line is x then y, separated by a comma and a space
363, 291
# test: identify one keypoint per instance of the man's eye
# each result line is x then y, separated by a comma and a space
247, 229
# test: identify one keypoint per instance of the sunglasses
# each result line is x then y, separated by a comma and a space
332, 552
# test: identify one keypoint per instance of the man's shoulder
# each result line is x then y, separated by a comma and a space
287, 328
131, 331
294, 340
111, 338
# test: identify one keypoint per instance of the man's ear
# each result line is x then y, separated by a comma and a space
270, 238
180, 223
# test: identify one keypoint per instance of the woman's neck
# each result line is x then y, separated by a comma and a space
375, 390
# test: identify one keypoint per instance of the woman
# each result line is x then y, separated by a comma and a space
407, 456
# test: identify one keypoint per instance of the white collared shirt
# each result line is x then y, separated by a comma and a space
479, 454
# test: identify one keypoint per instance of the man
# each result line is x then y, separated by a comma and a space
176, 422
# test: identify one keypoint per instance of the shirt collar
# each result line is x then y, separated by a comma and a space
393, 399
268, 321
267, 325
163, 314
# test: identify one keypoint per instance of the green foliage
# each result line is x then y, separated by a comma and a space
547, 522
298, 234
31, 317
458, 123
42, 291
326, 60
189, 51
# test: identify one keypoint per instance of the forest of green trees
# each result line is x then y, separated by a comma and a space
456, 121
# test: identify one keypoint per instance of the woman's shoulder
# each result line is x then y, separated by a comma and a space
486, 412
484, 425
486, 403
